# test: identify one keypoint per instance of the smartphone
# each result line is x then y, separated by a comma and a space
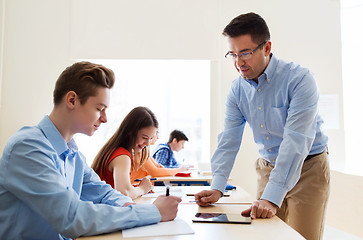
234, 218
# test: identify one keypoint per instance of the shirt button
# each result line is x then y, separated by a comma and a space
273, 161
259, 90
262, 125
268, 138
259, 108
270, 150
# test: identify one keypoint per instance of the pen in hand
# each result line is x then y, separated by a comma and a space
167, 191
139, 179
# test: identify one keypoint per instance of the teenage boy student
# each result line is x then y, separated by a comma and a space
164, 154
47, 191
279, 100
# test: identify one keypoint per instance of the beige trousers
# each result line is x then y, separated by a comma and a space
304, 206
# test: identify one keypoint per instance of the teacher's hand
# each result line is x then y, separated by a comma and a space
261, 209
207, 197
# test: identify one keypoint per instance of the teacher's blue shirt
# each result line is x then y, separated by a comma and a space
282, 111
47, 191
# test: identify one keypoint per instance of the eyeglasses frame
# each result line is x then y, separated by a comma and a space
244, 54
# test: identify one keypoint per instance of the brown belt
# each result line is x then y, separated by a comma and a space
314, 155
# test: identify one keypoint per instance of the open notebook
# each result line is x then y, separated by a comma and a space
175, 227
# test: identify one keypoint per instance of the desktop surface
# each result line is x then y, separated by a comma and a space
260, 229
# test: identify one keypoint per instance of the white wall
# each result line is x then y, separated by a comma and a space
36, 50
42, 37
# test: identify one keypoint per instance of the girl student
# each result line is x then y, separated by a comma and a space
126, 151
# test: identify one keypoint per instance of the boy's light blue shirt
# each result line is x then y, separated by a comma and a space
282, 111
47, 191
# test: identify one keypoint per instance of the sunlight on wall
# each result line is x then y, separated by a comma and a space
352, 51
177, 91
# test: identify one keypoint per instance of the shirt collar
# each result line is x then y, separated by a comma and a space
271, 67
55, 138
268, 73
167, 145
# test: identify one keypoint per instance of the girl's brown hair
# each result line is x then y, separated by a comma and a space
125, 136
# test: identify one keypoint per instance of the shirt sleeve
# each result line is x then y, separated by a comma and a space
173, 162
95, 190
162, 156
298, 136
154, 171
229, 142
33, 178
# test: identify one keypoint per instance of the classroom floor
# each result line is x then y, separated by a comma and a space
331, 233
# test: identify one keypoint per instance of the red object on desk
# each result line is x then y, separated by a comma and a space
183, 174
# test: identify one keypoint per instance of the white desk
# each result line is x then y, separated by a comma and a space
195, 177
260, 229
239, 196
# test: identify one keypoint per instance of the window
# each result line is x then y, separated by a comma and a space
352, 51
177, 91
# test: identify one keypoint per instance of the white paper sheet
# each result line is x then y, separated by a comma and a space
175, 191
157, 194
175, 227
329, 110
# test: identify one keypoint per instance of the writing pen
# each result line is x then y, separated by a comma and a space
167, 190
139, 179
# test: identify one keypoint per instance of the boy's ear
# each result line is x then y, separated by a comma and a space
70, 99
175, 140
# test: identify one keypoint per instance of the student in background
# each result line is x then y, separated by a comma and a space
154, 169
279, 100
126, 151
47, 190
164, 153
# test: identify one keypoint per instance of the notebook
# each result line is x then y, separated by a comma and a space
175, 227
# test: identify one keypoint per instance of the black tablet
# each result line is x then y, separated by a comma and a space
235, 218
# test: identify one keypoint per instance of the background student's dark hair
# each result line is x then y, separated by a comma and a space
250, 23
125, 136
179, 135
83, 78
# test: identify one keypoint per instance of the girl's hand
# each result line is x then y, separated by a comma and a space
159, 165
146, 185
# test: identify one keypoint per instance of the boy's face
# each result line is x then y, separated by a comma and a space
89, 116
179, 145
